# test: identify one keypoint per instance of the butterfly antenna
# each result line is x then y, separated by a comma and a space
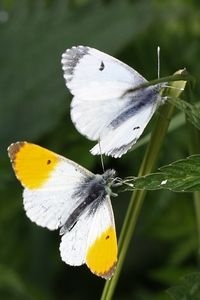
158, 60
102, 163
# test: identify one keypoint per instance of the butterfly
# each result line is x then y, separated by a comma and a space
60, 194
103, 107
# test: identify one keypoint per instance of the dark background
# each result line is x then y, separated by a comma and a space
34, 106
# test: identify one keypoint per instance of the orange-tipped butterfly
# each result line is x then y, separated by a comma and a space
58, 193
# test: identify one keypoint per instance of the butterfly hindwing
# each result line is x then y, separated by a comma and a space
74, 242
92, 240
92, 119
124, 130
101, 257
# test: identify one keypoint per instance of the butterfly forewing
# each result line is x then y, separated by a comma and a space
90, 74
49, 180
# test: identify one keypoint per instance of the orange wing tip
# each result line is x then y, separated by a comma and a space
13, 149
33, 165
101, 256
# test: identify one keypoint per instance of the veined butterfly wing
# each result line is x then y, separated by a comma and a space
101, 107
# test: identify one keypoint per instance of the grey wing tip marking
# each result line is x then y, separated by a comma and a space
14, 148
70, 59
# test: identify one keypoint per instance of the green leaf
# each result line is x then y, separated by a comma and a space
192, 112
179, 176
189, 289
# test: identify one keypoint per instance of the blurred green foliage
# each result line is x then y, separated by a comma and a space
189, 289
34, 106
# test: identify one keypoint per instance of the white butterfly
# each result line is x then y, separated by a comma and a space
102, 108
58, 193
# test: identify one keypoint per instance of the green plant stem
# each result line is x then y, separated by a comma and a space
137, 198
182, 76
197, 212
194, 148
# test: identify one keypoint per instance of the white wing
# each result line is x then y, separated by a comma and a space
117, 141
93, 75
51, 204
74, 242
119, 123
92, 240
92, 117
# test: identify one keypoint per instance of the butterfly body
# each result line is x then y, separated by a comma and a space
103, 109
60, 194
92, 191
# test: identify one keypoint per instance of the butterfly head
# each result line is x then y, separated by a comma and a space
109, 175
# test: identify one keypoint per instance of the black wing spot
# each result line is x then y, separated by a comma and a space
48, 162
102, 66
137, 127
107, 237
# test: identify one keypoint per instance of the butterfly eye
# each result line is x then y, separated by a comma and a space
102, 66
